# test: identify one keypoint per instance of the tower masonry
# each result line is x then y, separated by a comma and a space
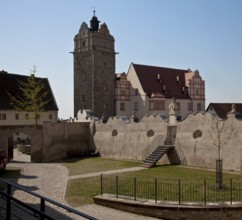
94, 69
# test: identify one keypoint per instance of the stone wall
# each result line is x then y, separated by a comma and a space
119, 140
193, 139
35, 133
53, 140
66, 139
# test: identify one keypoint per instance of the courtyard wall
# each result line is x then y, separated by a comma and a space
193, 140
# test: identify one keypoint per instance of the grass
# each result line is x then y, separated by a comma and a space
81, 191
95, 164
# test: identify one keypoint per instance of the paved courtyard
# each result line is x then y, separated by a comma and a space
50, 180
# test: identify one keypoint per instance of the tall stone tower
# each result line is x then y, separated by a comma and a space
94, 69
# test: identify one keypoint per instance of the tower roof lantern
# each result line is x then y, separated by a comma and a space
94, 23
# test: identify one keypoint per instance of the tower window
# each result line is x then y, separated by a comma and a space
83, 43
122, 92
136, 106
122, 106
136, 92
104, 106
83, 97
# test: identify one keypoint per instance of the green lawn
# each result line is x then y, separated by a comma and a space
81, 191
95, 164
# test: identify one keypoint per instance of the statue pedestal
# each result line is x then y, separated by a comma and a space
172, 119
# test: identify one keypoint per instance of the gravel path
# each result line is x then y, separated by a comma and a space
50, 180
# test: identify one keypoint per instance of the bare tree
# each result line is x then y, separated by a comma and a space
220, 134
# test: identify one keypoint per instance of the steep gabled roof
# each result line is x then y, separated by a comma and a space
222, 109
160, 80
9, 84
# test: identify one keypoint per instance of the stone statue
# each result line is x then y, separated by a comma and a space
173, 107
134, 117
233, 109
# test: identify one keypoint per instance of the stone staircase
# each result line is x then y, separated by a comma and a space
155, 156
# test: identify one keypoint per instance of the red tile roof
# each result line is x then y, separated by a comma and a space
9, 84
167, 82
222, 109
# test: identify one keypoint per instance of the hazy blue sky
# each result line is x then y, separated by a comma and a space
196, 34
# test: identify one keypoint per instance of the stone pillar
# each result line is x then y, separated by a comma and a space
172, 112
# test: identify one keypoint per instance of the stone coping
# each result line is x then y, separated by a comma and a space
173, 211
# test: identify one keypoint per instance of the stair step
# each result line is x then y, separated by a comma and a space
155, 156
147, 165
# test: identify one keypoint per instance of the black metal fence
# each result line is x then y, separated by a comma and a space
42, 207
191, 192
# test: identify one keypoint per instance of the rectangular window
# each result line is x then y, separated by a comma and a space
3, 116
122, 106
16, 116
136, 106
136, 92
83, 97
199, 107
157, 105
50, 116
26, 116
38, 116
189, 106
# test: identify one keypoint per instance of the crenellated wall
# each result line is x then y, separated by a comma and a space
119, 140
193, 139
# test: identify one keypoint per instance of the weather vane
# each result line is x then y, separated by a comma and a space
93, 10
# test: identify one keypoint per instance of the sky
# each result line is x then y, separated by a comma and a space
198, 34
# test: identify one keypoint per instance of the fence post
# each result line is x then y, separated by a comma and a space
116, 186
8, 208
42, 207
155, 190
205, 192
179, 191
231, 192
101, 184
134, 188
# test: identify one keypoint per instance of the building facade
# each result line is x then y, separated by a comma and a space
9, 85
149, 90
94, 69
